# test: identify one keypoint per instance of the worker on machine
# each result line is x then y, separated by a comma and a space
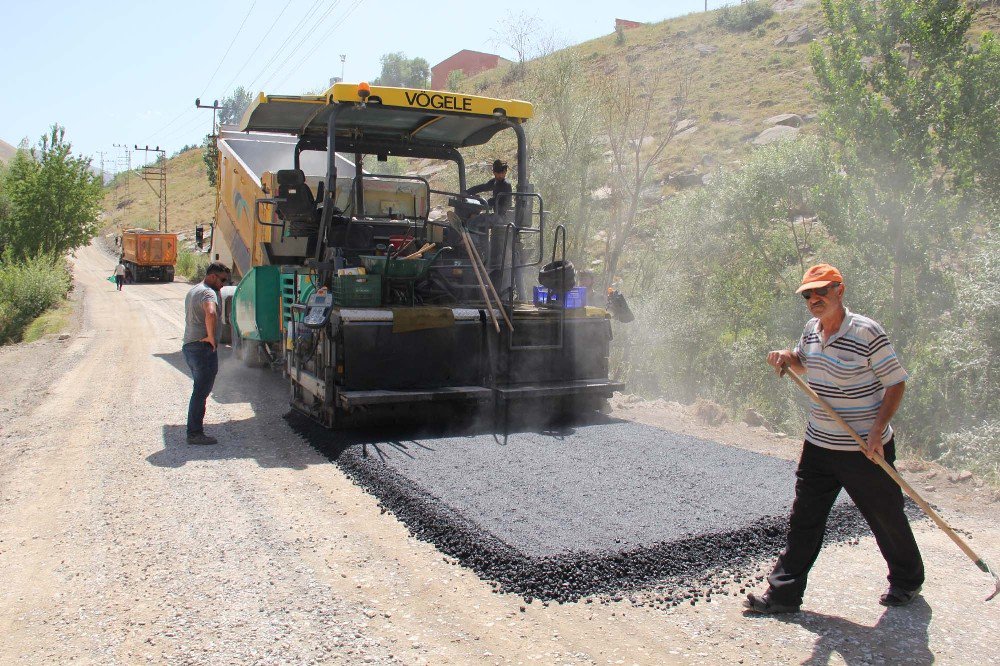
493, 224
497, 186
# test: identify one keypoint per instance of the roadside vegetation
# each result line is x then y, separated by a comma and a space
896, 183
191, 265
49, 203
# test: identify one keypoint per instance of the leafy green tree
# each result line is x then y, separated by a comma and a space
905, 98
398, 70
210, 156
234, 106
564, 146
52, 200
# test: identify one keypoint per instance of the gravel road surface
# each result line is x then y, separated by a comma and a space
120, 544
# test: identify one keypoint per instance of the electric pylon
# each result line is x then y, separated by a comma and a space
157, 173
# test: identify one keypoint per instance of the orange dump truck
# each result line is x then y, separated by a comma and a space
150, 255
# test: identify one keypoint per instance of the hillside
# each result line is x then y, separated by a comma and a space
6, 151
738, 83
189, 197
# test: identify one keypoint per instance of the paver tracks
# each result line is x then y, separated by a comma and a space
120, 544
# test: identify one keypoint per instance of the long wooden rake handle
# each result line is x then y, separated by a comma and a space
482, 287
894, 475
489, 281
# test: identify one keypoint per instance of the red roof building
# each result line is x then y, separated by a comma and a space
470, 62
625, 24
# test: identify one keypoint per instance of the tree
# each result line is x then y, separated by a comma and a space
234, 106
519, 33
564, 145
52, 200
906, 100
398, 70
456, 78
718, 278
629, 117
210, 156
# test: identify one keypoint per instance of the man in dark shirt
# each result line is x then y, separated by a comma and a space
494, 223
497, 186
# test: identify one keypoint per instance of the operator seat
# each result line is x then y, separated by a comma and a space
295, 204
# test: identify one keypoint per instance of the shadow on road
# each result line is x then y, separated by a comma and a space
245, 439
900, 635
268, 438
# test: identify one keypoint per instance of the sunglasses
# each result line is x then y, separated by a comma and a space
819, 291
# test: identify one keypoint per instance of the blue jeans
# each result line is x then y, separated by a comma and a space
204, 364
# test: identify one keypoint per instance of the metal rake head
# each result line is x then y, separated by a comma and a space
996, 579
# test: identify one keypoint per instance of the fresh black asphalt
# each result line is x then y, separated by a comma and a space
609, 508
596, 488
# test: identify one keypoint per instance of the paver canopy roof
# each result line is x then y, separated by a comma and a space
396, 115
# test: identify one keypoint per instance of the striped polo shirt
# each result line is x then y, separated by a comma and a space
851, 372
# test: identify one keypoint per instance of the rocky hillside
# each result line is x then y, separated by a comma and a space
744, 89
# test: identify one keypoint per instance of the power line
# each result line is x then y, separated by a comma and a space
194, 122
254, 50
322, 40
302, 41
294, 31
174, 120
238, 31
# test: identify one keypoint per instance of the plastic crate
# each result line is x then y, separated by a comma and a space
357, 290
406, 268
374, 265
575, 297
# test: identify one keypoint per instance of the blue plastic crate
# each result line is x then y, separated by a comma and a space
575, 297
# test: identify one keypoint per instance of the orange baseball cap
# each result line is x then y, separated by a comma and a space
819, 275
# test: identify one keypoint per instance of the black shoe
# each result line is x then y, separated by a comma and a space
897, 596
765, 606
201, 439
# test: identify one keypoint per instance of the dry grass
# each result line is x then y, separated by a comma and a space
189, 198
53, 321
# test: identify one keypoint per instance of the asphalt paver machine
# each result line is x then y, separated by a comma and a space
332, 289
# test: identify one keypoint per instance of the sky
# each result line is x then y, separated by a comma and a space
128, 72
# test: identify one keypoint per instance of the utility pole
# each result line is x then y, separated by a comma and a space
157, 174
126, 200
343, 59
101, 154
218, 165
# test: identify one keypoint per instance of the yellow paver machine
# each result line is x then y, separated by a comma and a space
382, 295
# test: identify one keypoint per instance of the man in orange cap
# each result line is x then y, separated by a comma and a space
848, 361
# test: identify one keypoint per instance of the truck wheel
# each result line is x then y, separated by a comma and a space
168, 275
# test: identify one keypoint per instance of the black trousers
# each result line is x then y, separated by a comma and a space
820, 476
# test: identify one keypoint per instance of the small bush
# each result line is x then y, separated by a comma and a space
27, 289
619, 35
976, 449
191, 265
744, 17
